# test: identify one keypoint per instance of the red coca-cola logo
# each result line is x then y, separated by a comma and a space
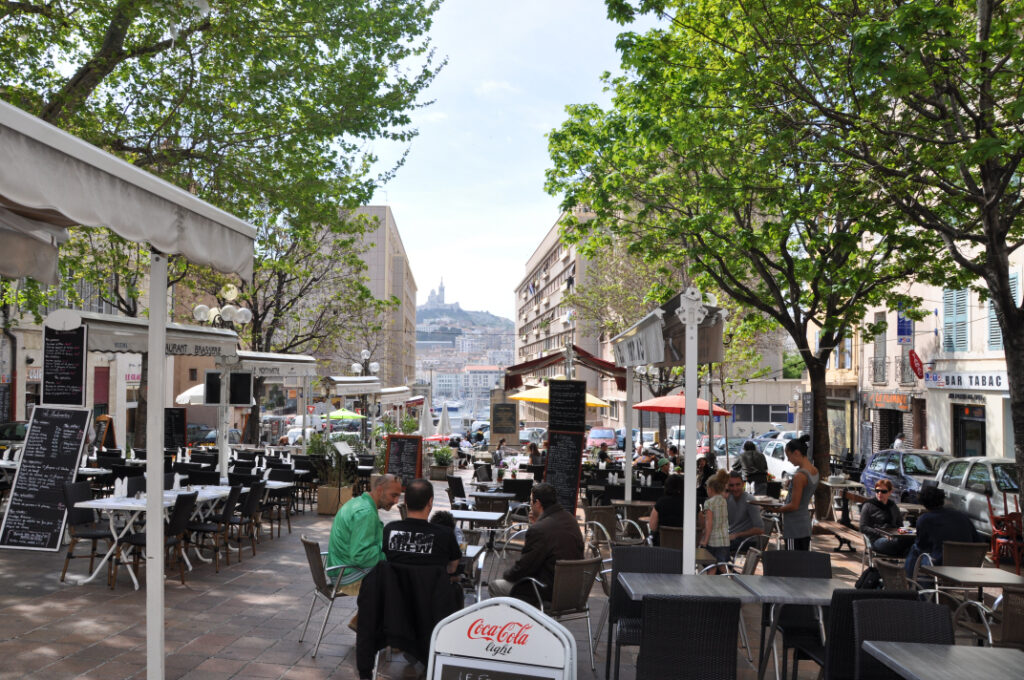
511, 633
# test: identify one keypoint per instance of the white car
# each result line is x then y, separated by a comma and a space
778, 465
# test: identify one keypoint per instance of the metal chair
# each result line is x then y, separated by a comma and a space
800, 621
896, 621
279, 501
216, 527
1007, 534
457, 492
688, 637
248, 518
324, 589
570, 592
607, 528
174, 536
204, 477
1001, 625
670, 537
963, 554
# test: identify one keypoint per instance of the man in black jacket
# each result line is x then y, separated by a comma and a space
937, 525
553, 535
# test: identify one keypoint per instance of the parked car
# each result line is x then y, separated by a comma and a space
601, 435
195, 433
677, 435
210, 438
735, 446
778, 464
537, 435
12, 434
969, 481
905, 468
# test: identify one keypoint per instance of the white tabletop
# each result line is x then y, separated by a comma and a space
132, 504
920, 661
477, 515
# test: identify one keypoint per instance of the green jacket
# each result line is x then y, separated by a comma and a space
356, 538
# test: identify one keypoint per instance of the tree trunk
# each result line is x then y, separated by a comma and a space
820, 445
1013, 351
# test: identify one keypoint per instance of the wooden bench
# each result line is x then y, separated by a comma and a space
843, 534
858, 498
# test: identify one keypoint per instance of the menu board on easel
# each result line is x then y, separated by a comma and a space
64, 366
105, 436
53, 446
175, 428
567, 414
405, 457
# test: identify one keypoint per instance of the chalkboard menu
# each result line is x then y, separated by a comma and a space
504, 421
240, 389
212, 388
565, 456
405, 457
175, 434
64, 366
5, 402
105, 436
567, 406
53, 444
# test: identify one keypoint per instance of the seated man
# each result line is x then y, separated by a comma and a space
357, 532
938, 524
553, 535
664, 470
417, 541
744, 518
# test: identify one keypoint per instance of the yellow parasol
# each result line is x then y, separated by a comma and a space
539, 395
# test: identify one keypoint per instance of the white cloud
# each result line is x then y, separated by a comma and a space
496, 87
431, 117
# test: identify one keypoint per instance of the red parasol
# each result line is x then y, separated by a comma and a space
676, 403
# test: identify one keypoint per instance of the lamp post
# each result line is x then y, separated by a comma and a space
365, 367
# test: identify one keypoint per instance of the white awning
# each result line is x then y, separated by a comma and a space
394, 395
276, 365
353, 386
51, 180
108, 333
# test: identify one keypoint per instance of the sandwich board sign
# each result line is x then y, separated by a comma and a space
501, 639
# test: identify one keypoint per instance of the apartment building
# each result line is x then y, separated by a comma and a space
389, 275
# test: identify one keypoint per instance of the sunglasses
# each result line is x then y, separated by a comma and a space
881, 490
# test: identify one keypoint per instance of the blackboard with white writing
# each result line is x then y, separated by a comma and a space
105, 432
565, 456
64, 366
53, 445
405, 457
5, 402
567, 405
175, 434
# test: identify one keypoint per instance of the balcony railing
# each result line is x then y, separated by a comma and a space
878, 371
904, 374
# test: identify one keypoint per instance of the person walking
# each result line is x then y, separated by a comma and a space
754, 467
796, 527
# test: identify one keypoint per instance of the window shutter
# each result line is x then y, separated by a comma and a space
954, 320
995, 334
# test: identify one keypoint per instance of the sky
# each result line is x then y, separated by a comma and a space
470, 202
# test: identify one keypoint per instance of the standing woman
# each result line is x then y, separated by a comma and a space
796, 527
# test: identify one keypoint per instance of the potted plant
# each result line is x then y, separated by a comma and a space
442, 462
335, 472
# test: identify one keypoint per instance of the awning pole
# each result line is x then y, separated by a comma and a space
691, 312
627, 441
155, 468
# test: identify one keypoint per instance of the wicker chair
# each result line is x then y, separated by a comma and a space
623, 614
896, 621
174, 536
1002, 625
798, 623
838, 658
570, 592
216, 527
670, 537
83, 525
961, 554
248, 518
688, 637
608, 529
457, 493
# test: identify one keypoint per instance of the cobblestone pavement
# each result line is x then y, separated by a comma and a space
241, 623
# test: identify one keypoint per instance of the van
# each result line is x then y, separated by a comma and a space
677, 436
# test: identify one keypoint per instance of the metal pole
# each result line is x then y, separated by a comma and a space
157, 349
627, 441
691, 312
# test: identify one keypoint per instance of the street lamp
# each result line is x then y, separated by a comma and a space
365, 367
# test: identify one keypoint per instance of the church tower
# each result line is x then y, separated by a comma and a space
440, 292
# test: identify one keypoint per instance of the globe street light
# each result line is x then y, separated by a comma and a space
365, 367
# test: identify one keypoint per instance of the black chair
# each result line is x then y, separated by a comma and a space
890, 620
688, 637
773, 489
248, 517
838, 658
205, 458
279, 501
798, 623
216, 528
136, 485
83, 524
168, 481
624, 614
204, 477
458, 493
482, 473
108, 462
237, 478
249, 456
127, 471
174, 535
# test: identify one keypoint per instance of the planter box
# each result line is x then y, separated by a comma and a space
439, 473
329, 499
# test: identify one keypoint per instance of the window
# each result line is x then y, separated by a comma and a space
995, 334
1006, 477
954, 474
954, 320
880, 338
878, 462
762, 413
780, 413
979, 475
844, 354
742, 413
193, 374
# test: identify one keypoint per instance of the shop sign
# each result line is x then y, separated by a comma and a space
995, 381
961, 397
133, 373
35, 373
904, 329
897, 401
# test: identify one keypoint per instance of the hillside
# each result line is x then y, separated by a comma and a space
464, 318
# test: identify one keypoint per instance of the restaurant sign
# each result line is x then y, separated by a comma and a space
501, 638
897, 401
991, 381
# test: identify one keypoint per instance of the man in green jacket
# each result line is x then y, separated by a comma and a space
357, 533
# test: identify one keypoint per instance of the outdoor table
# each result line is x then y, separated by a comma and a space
841, 487
91, 471
494, 495
633, 504
133, 508
896, 532
638, 585
920, 661
779, 591
910, 508
766, 502
489, 486
966, 577
476, 516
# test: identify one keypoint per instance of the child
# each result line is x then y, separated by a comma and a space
445, 519
716, 519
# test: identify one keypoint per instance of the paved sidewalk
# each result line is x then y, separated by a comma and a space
241, 623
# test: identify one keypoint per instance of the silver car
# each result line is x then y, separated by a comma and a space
969, 481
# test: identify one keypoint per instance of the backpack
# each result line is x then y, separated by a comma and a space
870, 579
